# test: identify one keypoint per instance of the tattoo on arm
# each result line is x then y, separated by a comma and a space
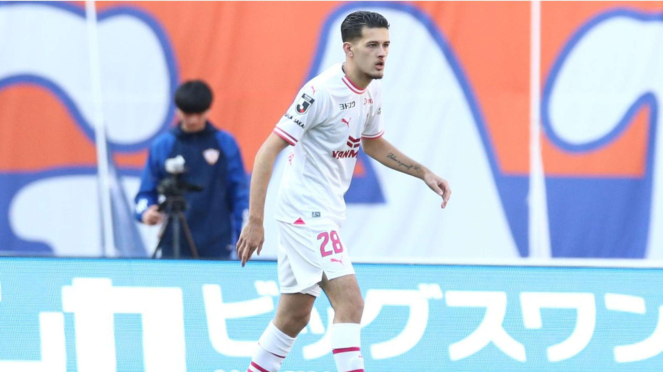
400, 163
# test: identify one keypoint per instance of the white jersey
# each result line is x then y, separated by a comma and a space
325, 125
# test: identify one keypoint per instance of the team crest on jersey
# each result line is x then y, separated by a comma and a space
304, 103
211, 156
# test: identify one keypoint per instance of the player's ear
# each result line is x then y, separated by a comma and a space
347, 48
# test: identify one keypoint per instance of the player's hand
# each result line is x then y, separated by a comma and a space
439, 185
251, 238
152, 216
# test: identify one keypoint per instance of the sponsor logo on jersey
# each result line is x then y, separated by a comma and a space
353, 144
379, 111
315, 214
296, 121
345, 106
368, 101
345, 154
211, 156
304, 103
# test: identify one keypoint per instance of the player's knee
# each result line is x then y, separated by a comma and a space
351, 311
358, 309
299, 323
295, 321
302, 319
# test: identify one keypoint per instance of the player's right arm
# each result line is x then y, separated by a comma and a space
253, 233
308, 109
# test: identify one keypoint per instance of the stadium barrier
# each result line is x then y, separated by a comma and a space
98, 315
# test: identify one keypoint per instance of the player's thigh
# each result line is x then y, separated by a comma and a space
343, 293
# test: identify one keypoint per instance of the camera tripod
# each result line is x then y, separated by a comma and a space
174, 207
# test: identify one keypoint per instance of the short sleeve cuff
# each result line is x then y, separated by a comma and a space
286, 137
373, 136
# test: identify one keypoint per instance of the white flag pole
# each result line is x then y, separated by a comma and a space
100, 132
539, 233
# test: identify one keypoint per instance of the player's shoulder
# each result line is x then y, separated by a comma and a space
326, 82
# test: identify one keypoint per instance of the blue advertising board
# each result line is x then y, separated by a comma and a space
87, 315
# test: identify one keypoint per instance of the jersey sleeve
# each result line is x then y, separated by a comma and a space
307, 111
374, 127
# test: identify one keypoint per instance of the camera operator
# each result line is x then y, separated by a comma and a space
211, 160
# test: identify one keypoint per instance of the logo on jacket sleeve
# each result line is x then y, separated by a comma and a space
305, 101
211, 156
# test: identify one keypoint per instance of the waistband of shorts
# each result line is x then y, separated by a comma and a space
316, 221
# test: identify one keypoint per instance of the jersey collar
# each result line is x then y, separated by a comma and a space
350, 84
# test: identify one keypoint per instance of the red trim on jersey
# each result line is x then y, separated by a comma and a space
375, 135
286, 133
357, 370
284, 137
288, 138
259, 368
346, 350
352, 86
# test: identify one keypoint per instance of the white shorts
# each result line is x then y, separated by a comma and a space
305, 252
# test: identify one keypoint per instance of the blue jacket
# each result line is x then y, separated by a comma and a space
214, 215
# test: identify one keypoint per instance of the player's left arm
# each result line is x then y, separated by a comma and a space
381, 150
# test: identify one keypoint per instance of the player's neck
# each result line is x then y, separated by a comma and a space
356, 76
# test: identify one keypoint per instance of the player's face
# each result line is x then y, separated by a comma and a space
370, 52
192, 122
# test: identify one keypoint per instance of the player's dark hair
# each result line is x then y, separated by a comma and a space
355, 22
193, 97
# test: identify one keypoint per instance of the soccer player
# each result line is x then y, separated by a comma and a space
331, 115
